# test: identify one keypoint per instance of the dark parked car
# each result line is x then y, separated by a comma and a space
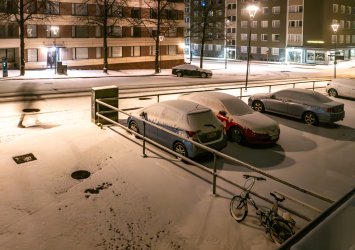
185, 118
241, 122
310, 106
190, 70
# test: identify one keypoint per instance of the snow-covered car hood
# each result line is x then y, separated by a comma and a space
261, 96
258, 123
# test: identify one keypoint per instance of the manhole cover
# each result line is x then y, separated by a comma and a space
80, 174
30, 110
24, 158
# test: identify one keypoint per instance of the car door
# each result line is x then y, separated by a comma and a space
296, 105
152, 114
277, 103
169, 120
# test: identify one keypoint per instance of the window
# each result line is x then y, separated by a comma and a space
31, 30
348, 25
264, 24
232, 18
98, 52
347, 39
276, 10
334, 38
231, 30
244, 24
81, 31
116, 51
172, 49
153, 14
232, 6
276, 23
115, 11
53, 31
335, 8
254, 24
264, 50
218, 47
171, 15
32, 55
243, 37
349, 10
136, 51
79, 9
294, 37
97, 31
244, 49
353, 25
265, 10
342, 9
8, 31
275, 37
275, 51
353, 38
152, 50
341, 38
254, 37
116, 31
80, 53
136, 12
51, 8
172, 32
264, 37
295, 9
135, 31
341, 24
295, 23
253, 50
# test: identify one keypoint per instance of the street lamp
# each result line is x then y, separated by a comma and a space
335, 29
161, 39
252, 9
55, 30
225, 44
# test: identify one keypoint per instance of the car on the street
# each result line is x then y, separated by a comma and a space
184, 118
341, 87
242, 123
308, 105
190, 70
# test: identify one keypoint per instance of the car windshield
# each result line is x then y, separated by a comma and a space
198, 119
236, 106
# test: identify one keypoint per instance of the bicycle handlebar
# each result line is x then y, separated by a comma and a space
258, 178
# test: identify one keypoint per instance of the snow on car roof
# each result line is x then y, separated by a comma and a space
306, 95
345, 81
184, 106
186, 66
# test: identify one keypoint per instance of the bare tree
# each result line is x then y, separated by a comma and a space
108, 13
207, 24
160, 20
22, 11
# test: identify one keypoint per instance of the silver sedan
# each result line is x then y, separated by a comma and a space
312, 107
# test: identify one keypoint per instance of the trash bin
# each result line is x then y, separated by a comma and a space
59, 68
110, 93
64, 69
4, 67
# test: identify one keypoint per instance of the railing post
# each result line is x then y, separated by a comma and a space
214, 173
144, 155
158, 97
313, 85
269, 88
240, 93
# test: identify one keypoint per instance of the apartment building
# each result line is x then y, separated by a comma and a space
292, 31
67, 38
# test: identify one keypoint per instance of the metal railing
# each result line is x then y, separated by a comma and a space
216, 155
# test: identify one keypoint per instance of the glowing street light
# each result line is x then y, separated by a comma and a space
335, 29
252, 9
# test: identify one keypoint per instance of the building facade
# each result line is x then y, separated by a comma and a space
67, 38
290, 31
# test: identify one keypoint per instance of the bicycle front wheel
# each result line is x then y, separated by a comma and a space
238, 208
280, 231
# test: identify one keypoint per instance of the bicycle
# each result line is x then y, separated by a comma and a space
277, 224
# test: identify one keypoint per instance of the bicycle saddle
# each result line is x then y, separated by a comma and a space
277, 197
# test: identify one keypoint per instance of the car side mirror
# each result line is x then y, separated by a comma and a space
143, 115
222, 112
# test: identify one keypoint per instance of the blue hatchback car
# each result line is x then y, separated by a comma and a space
186, 119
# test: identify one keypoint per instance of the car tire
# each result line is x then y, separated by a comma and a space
236, 135
180, 148
179, 74
258, 106
203, 75
134, 127
333, 92
310, 118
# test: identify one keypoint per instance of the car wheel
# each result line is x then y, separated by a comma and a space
133, 126
333, 92
179, 74
180, 148
203, 75
310, 118
258, 106
236, 135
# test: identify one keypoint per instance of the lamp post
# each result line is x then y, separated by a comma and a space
161, 39
225, 43
252, 9
335, 29
55, 30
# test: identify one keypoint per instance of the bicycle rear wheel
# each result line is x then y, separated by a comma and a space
238, 208
280, 231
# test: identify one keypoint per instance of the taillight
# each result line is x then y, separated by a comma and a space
190, 133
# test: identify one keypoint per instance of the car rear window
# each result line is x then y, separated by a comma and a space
197, 120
